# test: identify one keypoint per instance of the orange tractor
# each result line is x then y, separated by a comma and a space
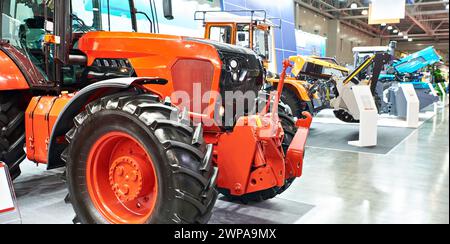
82, 88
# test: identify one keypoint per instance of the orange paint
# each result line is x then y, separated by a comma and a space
40, 117
123, 186
11, 78
154, 55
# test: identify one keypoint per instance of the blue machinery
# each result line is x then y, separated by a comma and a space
406, 70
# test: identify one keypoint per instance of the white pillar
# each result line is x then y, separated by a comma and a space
413, 105
368, 126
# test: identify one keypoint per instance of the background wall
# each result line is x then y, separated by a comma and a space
340, 38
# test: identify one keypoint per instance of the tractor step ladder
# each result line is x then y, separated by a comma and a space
9, 211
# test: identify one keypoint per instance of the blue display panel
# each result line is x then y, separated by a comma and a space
309, 44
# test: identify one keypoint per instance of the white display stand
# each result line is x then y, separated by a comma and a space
444, 94
434, 92
413, 105
368, 116
9, 212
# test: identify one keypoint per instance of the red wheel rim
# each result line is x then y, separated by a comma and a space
121, 179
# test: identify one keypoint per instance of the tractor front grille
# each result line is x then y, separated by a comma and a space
191, 74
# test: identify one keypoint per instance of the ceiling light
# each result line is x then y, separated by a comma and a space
365, 12
383, 24
400, 34
410, 39
395, 31
354, 6
405, 37
390, 27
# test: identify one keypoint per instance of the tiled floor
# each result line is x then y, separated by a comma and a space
408, 185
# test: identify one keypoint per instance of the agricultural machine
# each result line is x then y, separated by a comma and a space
312, 84
310, 87
408, 70
246, 28
405, 70
82, 95
366, 74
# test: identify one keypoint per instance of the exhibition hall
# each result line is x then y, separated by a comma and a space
224, 112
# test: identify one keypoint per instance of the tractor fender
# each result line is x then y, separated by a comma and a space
15, 80
64, 121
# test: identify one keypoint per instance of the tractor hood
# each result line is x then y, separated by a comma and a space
224, 47
417, 61
182, 61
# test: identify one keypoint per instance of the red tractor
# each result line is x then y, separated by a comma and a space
82, 88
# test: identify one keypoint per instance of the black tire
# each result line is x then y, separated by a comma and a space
182, 161
297, 106
288, 124
12, 134
345, 116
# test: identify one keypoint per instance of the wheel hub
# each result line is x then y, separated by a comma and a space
126, 179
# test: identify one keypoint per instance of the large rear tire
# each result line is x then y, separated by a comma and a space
129, 161
12, 134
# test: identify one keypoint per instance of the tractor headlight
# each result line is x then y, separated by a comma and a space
233, 64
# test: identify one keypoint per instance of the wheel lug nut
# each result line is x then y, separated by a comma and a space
125, 189
134, 176
120, 171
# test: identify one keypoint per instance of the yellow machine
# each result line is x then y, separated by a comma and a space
311, 86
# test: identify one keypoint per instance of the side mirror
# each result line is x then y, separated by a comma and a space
167, 7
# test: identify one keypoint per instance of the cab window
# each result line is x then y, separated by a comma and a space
101, 15
243, 35
23, 25
220, 34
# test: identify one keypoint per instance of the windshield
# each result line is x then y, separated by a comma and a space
243, 35
112, 15
260, 40
105, 15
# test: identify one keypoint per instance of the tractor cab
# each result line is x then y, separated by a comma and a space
250, 29
47, 41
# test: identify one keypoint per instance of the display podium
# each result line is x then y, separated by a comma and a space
412, 105
9, 211
434, 92
368, 114
444, 94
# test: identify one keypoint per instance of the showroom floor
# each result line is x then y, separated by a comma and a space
409, 184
